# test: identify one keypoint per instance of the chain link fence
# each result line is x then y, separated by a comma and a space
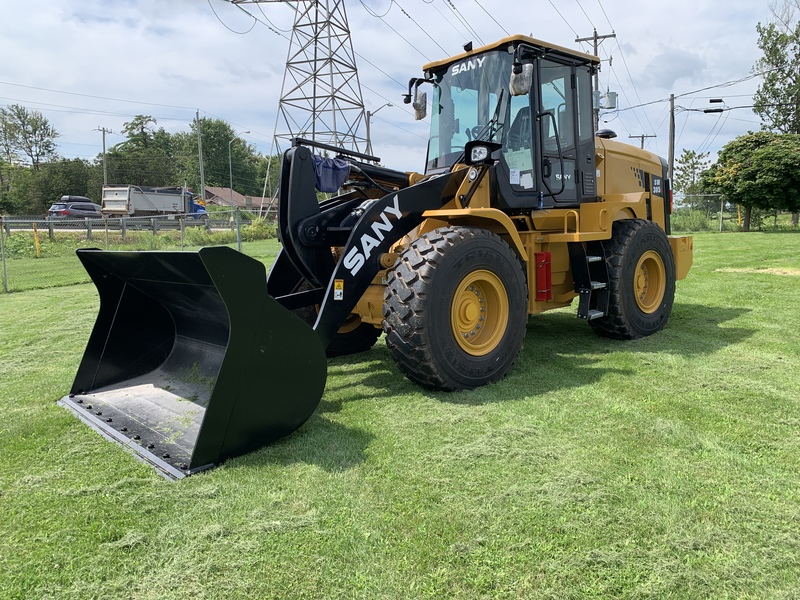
40, 253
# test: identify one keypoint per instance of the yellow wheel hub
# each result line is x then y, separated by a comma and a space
479, 313
649, 282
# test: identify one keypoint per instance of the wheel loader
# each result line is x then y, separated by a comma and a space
197, 357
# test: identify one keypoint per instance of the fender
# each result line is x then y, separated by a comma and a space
383, 223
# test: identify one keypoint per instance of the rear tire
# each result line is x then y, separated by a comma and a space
455, 309
641, 272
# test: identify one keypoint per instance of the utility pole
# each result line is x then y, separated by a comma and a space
641, 137
105, 170
200, 152
671, 157
368, 120
596, 39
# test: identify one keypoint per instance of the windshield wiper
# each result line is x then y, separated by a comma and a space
492, 127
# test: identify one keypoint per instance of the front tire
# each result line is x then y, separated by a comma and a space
455, 309
641, 271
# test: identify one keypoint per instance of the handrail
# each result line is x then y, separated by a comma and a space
566, 221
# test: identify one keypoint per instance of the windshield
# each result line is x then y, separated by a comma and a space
465, 97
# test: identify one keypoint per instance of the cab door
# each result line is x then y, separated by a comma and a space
555, 123
548, 153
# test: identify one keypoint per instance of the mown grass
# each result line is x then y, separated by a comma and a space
665, 468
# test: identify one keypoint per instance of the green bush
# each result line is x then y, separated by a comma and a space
201, 237
690, 220
259, 229
19, 244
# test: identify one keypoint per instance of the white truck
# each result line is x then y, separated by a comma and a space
138, 201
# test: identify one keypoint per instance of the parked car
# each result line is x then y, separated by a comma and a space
74, 207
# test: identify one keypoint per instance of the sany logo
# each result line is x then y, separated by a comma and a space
357, 257
468, 65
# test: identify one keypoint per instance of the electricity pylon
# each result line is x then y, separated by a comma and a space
321, 93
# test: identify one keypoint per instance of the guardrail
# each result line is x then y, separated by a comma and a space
39, 236
121, 224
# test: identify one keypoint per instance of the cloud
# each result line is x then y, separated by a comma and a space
673, 65
91, 63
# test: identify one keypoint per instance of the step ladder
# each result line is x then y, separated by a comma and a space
590, 277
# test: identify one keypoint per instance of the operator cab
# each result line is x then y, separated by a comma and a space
546, 130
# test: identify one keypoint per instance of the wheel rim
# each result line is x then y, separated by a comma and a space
479, 313
649, 282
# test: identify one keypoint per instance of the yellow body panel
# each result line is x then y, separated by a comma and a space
683, 251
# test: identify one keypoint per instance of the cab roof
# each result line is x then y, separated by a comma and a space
513, 41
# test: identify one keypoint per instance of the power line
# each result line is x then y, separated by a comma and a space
261, 10
447, 20
400, 35
624, 61
41, 89
562, 18
402, 129
588, 18
711, 87
633, 85
461, 18
492, 17
402, 10
370, 11
604, 14
225, 26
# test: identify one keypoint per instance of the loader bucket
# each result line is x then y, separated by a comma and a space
190, 361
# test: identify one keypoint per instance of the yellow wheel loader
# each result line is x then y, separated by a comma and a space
197, 357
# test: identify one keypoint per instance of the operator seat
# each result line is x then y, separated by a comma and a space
521, 130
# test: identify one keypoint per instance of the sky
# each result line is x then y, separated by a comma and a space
93, 64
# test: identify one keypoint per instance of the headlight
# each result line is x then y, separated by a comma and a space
479, 154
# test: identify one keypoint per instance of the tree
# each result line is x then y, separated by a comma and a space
216, 135
26, 134
777, 99
760, 171
688, 169
31, 192
145, 157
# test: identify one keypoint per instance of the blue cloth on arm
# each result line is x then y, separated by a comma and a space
331, 172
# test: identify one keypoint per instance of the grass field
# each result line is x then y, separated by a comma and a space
668, 467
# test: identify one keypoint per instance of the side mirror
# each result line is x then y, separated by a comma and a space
479, 152
420, 104
521, 79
